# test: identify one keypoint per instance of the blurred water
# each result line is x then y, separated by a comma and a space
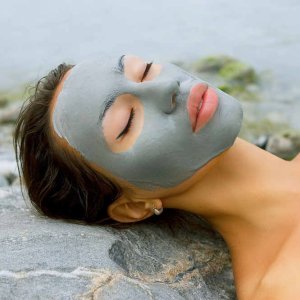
37, 35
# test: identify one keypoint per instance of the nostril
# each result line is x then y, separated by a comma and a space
173, 101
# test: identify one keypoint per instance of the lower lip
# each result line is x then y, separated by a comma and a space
208, 108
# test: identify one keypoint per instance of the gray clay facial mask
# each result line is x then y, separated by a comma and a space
167, 150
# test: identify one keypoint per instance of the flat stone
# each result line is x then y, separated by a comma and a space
42, 258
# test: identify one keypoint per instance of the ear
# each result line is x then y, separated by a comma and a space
127, 210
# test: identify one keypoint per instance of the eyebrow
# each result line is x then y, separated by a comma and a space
110, 101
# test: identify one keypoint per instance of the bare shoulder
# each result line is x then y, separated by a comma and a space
282, 281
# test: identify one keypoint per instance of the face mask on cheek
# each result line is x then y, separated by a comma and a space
167, 151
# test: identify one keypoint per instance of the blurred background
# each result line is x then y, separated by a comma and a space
38, 35
249, 49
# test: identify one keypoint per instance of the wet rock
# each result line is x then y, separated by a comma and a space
47, 259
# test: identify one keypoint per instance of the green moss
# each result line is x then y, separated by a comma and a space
212, 63
226, 88
237, 71
227, 68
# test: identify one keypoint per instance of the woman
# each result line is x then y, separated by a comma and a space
121, 139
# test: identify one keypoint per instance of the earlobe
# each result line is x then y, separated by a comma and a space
125, 210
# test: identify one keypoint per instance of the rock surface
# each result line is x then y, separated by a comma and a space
49, 259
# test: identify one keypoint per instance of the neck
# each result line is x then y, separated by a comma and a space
250, 196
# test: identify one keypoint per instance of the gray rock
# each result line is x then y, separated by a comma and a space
278, 144
52, 259
283, 146
262, 141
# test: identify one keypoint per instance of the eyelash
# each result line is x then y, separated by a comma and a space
129, 123
147, 69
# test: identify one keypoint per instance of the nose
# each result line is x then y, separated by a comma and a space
161, 93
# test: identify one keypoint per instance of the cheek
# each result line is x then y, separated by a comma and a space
166, 136
160, 126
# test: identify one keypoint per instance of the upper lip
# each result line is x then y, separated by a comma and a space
195, 98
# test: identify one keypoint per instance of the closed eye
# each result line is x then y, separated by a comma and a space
148, 66
128, 125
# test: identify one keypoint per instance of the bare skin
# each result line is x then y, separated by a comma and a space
251, 197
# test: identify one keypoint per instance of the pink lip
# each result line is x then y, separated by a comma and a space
209, 98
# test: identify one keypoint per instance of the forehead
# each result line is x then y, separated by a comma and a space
96, 75
59, 89
89, 84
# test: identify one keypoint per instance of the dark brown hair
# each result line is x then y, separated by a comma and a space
59, 183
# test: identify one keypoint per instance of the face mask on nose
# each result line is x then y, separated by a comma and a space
167, 151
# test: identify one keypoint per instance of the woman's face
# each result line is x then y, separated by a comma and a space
142, 122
